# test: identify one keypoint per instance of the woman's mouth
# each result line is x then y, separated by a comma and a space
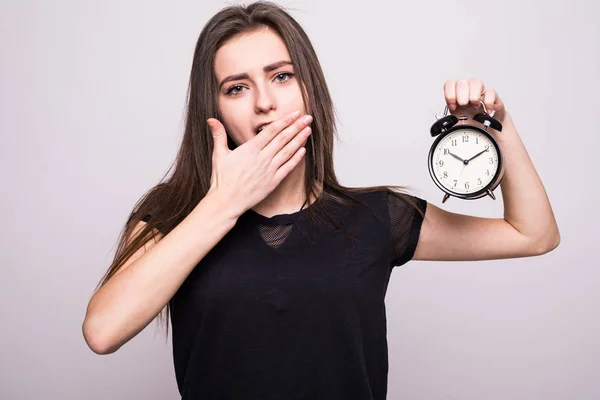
260, 128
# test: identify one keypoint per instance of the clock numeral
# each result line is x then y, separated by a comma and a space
441, 163
466, 185
446, 151
455, 183
476, 140
487, 172
479, 181
491, 160
465, 138
445, 174
453, 142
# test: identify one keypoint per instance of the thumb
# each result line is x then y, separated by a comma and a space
219, 137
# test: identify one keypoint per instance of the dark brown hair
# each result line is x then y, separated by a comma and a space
170, 201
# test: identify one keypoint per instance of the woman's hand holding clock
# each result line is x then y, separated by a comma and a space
470, 102
464, 98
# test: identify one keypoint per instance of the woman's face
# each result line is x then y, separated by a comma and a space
256, 83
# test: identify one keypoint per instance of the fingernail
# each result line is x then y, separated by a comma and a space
306, 119
295, 113
210, 124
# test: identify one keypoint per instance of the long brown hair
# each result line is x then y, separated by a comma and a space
170, 201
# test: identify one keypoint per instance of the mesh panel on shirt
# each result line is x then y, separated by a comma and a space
404, 226
275, 235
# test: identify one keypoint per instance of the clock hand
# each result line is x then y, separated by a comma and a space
455, 156
478, 154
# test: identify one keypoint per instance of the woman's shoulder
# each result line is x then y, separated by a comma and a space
365, 202
386, 194
388, 201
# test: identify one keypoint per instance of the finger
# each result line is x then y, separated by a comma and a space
498, 104
450, 94
462, 92
285, 136
266, 135
286, 168
475, 90
489, 99
219, 137
288, 151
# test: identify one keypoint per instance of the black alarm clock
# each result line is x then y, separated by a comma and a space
465, 160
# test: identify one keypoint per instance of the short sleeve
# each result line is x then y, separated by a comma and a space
405, 225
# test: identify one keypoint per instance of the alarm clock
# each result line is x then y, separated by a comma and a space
465, 160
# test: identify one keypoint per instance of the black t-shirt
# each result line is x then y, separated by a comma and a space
273, 313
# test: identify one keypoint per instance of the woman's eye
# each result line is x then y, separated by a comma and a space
286, 75
237, 89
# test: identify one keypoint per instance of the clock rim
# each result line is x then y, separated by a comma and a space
481, 192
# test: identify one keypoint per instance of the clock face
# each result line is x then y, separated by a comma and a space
465, 161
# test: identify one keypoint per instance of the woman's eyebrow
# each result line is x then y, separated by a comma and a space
267, 68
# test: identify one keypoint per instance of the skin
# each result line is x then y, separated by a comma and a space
528, 227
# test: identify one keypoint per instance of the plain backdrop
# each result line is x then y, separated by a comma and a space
92, 95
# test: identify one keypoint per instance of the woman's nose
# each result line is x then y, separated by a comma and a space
265, 100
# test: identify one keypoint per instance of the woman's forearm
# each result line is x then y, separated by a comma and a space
133, 297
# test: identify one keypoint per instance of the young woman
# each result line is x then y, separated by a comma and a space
273, 274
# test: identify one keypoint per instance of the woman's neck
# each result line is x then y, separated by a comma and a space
288, 197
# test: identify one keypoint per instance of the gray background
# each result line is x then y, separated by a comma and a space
92, 97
